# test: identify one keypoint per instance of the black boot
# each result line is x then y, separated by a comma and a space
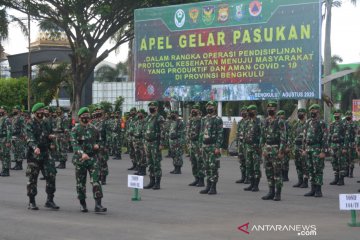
5, 173
247, 180
299, 183
242, 179
255, 187
103, 180
133, 167
285, 174
50, 203
347, 172
341, 181
351, 172
277, 196
18, 166
142, 171
32, 204
61, 165
318, 192
335, 181
83, 207
98, 206
151, 183
312, 191
178, 170
250, 187
195, 182
201, 182
305, 183
212, 190
270, 195
207, 188
157, 183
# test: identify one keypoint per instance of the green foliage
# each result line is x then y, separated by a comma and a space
13, 91
118, 104
106, 106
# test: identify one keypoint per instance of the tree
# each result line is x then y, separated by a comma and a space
13, 91
107, 73
118, 104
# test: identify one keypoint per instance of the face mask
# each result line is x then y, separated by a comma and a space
40, 115
251, 114
301, 116
244, 115
194, 113
210, 110
313, 114
349, 118
46, 114
152, 110
271, 112
15, 113
140, 116
337, 118
84, 120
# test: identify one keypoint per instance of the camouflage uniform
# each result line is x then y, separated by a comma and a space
337, 145
241, 128
118, 137
252, 149
84, 139
18, 143
197, 164
139, 143
297, 141
60, 151
5, 140
212, 140
274, 139
154, 137
350, 128
315, 142
130, 137
166, 135
176, 141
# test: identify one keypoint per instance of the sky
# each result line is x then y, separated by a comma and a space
345, 38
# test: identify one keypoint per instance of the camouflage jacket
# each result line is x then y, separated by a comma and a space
212, 128
83, 139
297, 133
102, 126
37, 135
5, 129
274, 133
177, 131
139, 125
316, 134
153, 128
240, 131
337, 133
194, 127
351, 130
18, 125
252, 133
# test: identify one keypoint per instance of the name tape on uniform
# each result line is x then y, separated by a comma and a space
349, 201
135, 181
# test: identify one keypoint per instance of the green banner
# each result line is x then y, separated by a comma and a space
228, 51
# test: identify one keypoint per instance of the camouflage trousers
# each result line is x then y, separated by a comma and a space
59, 151
300, 163
338, 161
315, 165
153, 155
18, 146
5, 155
102, 159
118, 145
211, 162
177, 152
197, 164
132, 150
273, 166
351, 156
47, 166
253, 160
81, 169
286, 161
242, 157
140, 155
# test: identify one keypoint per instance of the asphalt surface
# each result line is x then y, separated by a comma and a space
177, 211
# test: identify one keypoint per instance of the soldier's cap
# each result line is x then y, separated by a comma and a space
348, 113
315, 107
252, 107
175, 112
196, 106
280, 113
133, 109
211, 103
271, 104
153, 104
142, 111
244, 108
301, 110
37, 106
337, 111
18, 107
83, 110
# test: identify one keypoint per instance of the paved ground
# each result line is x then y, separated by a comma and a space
176, 212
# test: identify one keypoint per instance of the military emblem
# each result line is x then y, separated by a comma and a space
239, 13
223, 13
179, 18
208, 15
194, 14
255, 8
150, 89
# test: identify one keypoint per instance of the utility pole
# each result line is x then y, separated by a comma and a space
29, 63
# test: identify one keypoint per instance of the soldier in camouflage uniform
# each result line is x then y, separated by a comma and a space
286, 161
241, 128
38, 137
176, 141
212, 140
350, 128
315, 147
110, 132
5, 142
338, 146
197, 164
154, 138
273, 138
252, 148
166, 133
118, 136
297, 141
18, 144
130, 136
139, 142
84, 139
59, 127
